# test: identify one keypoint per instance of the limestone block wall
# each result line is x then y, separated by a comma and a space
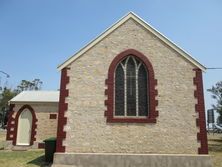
46, 127
86, 128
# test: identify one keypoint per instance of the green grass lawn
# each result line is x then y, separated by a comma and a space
215, 148
31, 158
2, 138
34, 158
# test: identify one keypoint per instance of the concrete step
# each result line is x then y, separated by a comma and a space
130, 160
21, 148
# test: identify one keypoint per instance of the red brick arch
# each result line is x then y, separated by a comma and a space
34, 125
152, 82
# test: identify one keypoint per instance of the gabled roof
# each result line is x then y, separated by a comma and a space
146, 26
36, 96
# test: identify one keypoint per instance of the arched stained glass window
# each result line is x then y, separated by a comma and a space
131, 95
131, 89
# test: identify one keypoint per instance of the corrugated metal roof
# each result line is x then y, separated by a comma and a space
36, 96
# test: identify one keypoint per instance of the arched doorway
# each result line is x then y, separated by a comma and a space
24, 130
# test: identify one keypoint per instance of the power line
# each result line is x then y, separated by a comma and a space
215, 68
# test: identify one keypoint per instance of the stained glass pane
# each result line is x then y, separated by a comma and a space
131, 88
142, 91
119, 91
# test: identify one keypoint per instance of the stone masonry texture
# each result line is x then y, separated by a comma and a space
86, 128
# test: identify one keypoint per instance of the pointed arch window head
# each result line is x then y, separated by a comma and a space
131, 89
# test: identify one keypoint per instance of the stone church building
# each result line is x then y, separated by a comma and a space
131, 97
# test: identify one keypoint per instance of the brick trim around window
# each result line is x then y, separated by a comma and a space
200, 109
34, 124
152, 92
63, 106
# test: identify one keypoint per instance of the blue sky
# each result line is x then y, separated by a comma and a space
37, 35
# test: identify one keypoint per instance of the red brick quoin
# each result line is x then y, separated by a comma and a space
152, 92
200, 109
10, 124
34, 125
63, 106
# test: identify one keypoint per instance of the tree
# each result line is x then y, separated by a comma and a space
6, 95
36, 84
217, 95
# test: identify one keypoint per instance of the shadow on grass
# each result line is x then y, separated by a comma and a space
215, 147
40, 161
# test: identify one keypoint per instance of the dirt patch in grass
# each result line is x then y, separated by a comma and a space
215, 149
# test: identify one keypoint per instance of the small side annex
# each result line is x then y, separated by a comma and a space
32, 118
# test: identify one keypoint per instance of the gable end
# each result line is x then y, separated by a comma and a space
146, 26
